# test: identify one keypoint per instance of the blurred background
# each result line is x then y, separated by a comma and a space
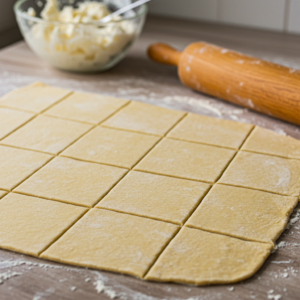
276, 15
279, 15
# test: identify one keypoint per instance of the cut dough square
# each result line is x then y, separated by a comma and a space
199, 257
218, 132
34, 98
145, 118
186, 160
18, 164
29, 225
72, 181
46, 134
113, 147
269, 142
11, 119
112, 241
2, 193
91, 108
155, 196
264, 172
243, 213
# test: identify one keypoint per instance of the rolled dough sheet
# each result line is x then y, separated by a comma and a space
212, 131
199, 257
269, 142
113, 147
90, 108
113, 241
34, 98
140, 223
243, 213
29, 225
264, 172
47, 134
186, 160
18, 164
72, 181
2, 193
11, 119
145, 118
154, 196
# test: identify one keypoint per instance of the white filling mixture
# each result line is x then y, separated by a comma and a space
79, 45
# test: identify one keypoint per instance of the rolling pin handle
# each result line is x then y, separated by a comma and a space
164, 54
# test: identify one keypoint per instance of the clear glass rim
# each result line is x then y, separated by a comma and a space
143, 10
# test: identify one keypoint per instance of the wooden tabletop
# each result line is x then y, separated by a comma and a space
137, 78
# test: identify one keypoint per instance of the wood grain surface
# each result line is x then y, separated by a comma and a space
139, 79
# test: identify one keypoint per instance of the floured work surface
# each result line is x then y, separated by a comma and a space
123, 186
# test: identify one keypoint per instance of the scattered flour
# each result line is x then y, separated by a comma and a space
42, 295
294, 219
101, 288
8, 275
194, 102
231, 289
283, 262
274, 297
280, 131
282, 244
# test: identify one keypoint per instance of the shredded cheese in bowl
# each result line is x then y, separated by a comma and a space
73, 38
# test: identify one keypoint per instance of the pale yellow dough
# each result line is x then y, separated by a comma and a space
187, 160
47, 134
29, 225
72, 181
2, 193
263, 172
159, 197
113, 241
269, 142
199, 257
128, 187
243, 213
113, 147
18, 164
11, 119
34, 98
145, 118
211, 131
90, 108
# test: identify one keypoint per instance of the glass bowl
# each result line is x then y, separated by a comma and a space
79, 47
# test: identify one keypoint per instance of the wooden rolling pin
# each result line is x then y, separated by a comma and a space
253, 83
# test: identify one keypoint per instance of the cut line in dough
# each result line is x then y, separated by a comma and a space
86, 107
155, 196
11, 119
186, 160
112, 241
29, 224
72, 181
189, 207
198, 257
34, 98
231, 210
264, 172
